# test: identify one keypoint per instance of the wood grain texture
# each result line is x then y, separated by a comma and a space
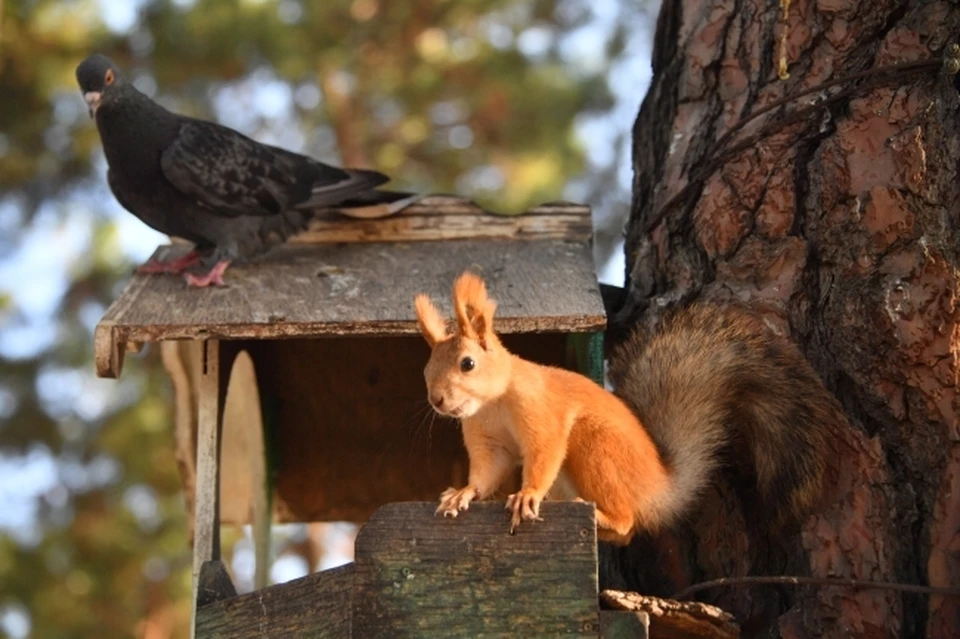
183, 362
245, 483
447, 217
427, 576
356, 289
206, 538
417, 575
243, 465
316, 606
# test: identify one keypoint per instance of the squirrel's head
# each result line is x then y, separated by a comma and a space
468, 367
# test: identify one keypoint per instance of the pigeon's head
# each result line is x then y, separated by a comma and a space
98, 78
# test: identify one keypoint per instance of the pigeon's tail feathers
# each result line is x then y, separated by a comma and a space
276, 229
367, 177
376, 196
358, 181
377, 204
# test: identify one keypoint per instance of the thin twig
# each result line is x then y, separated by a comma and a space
817, 581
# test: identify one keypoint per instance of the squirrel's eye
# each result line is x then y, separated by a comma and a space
467, 364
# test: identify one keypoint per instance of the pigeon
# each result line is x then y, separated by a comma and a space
234, 198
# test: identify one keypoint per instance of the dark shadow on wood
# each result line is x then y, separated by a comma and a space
214, 583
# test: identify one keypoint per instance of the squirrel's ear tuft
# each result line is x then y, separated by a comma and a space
432, 326
474, 309
484, 323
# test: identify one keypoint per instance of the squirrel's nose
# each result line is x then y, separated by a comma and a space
437, 400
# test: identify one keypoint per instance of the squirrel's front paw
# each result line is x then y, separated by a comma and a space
525, 506
452, 501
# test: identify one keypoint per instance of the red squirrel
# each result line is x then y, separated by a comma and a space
708, 378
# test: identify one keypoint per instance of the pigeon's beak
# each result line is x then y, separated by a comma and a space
92, 99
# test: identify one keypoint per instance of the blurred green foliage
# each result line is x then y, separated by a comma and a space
474, 97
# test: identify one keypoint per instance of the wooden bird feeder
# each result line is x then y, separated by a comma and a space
299, 387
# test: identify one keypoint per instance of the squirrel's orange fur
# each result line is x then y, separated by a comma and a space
686, 380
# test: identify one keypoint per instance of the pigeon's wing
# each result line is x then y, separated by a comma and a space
233, 175
118, 192
359, 183
167, 220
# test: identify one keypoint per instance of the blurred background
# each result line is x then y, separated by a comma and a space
508, 102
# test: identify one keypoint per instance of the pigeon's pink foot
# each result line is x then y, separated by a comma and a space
214, 276
170, 266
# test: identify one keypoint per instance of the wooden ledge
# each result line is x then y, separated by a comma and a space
449, 217
355, 289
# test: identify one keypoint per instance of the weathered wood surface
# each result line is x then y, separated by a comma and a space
245, 484
317, 606
355, 289
183, 361
426, 576
417, 575
448, 217
669, 619
207, 534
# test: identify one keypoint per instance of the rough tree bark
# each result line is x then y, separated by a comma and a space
843, 229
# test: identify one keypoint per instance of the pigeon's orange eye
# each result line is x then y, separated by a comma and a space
108, 77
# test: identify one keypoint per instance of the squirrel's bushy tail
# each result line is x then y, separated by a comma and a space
714, 379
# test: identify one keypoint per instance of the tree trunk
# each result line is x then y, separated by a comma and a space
842, 228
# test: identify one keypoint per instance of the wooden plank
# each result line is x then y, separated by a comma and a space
317, 605
242, 467
424, 576
349, 409
205, 543
444, 217
417, 575
356, 289
183, 362
245, 485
